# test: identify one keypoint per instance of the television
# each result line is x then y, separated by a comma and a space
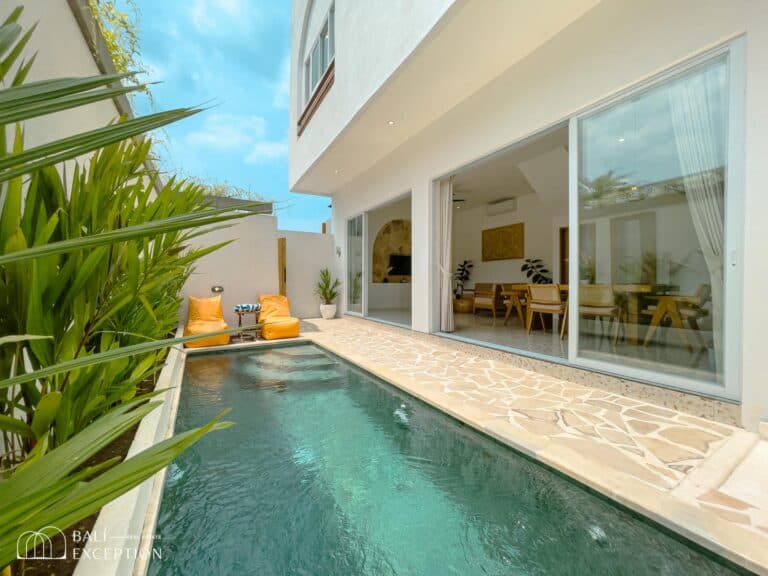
399, 265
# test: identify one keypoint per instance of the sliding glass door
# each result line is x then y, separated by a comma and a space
654, 177
355, 264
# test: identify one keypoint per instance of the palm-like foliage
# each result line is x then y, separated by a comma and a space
90, 273
327, 289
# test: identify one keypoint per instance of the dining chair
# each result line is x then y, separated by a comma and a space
545, 299
692, 311
515, 299
486, 297
597, 301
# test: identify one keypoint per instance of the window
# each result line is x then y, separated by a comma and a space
355, 264
319, 57
653, 179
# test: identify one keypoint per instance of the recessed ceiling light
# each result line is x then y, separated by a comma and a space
621, 140
337, 171
391, 122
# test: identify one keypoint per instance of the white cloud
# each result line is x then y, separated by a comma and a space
266, 150
228, 132
206, 14
154, 71
282, 88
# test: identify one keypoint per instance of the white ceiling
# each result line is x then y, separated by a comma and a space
503, 175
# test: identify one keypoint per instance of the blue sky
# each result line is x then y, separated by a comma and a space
232, 55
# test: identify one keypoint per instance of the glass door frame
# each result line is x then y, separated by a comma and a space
364, 268
732, 250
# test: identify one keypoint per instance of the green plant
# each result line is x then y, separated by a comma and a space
536, 271
462, 274
121, 34
90, 269
357, 288
327, 289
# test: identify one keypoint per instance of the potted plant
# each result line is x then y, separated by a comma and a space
463, 271
327, 290
535, 269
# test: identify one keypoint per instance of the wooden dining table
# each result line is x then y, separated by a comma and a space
632, 293
667, 305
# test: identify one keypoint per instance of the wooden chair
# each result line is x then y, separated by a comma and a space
693, 311
514, 297
486, 297
597, 301
545, 299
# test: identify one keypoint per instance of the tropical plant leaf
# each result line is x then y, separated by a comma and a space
173, 223
102, 357
21, 338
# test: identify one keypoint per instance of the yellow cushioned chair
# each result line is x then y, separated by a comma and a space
205, 315
275, 315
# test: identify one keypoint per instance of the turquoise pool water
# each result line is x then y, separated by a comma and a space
330, 471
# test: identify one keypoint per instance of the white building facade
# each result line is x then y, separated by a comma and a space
636, 130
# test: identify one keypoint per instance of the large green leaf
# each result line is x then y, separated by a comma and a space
16, 338
45, 413
29, 110
194, 219
110, 356
45, 90
14, 165
62, 501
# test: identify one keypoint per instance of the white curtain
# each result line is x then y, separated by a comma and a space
699, 121
446, 270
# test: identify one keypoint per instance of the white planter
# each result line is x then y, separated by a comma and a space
327, 311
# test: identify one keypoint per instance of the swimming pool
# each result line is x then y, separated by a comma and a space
330, 471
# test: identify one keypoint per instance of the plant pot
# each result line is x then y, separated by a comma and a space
328, 311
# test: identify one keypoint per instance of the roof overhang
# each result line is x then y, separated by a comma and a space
473, 43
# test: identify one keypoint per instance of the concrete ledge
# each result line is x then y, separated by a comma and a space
124, 530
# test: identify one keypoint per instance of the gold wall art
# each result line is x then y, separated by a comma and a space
504, 242
394, 238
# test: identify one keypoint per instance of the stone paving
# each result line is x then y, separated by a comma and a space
714, 467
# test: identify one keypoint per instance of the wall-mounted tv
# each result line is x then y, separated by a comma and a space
399, 265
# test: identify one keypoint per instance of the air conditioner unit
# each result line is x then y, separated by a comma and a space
501, 206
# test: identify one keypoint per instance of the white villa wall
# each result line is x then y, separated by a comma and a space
245, 268
611, 47
61, 51
541, 221
306, 253
372, 40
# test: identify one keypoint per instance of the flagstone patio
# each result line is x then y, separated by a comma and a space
703, 478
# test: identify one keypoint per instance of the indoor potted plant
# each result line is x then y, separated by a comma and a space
327, 290
461, 276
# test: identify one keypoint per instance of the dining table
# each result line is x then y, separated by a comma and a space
668, 305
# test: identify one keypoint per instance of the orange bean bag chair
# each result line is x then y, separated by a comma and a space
275, 315
205, 315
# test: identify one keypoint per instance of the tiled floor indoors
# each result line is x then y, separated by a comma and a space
703, 478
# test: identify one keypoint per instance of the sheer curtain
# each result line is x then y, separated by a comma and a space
446, 270
699, 123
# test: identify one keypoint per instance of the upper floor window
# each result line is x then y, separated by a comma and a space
319, 57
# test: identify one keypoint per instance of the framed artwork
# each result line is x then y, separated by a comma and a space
504, 242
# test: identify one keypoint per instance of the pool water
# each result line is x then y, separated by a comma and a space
329, 471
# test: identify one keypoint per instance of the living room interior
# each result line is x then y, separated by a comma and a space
389, 254
508, 208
